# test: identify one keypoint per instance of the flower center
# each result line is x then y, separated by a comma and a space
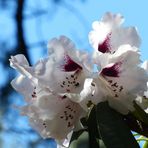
105, 46
71, 82
115, 87
69, 114
70, 65
112, 71
110, 76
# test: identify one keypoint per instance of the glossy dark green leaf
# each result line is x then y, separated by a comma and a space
113, 130
145, 144
140, 114
136, 125
92, 129
76, 135
81, 142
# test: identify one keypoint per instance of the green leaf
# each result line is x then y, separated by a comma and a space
113, 130
92, 129
76, 135
145, 144
101, 143
81, 142
136, 125
140, 114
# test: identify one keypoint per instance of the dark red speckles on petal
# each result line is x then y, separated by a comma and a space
112, 71
105, 46
70, 65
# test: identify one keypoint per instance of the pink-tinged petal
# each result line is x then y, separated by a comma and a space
70, 65
105, 46
112, 71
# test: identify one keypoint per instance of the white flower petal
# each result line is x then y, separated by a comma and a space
92, 93
130, 82
24, 86
113, 19
21, 59
20, 63
145, 65
126, 54
48, 113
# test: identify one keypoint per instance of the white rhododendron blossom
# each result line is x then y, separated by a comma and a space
66, 65
117, 57
45, 84
62, 88
119, 81
108, 34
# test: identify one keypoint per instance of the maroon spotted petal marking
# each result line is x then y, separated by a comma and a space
105, 46
112, 71
70, 65
69, 114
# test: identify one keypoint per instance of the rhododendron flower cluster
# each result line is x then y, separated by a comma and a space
62, 88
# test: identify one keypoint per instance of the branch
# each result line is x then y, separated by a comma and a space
21, 44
